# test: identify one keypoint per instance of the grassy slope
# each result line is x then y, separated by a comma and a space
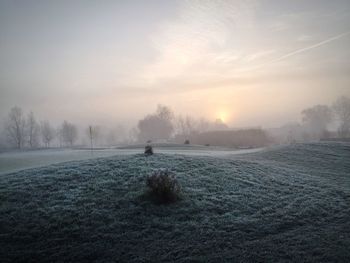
290, 204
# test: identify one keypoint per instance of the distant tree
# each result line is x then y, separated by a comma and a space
47, 133
180, 125
186, 125
15, 127
58, 133
156, 126
341, 108
191, 125
32, 130
69, 133
93, 133
164, 113
317, 118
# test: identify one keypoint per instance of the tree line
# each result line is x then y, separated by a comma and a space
21, 130
318, 122
25, 131
317, 118
164, 125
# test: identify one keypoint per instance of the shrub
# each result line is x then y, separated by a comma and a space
148, 150
163, 185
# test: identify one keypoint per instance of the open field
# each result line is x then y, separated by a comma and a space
289, 204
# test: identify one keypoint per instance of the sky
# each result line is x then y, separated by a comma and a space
251, 63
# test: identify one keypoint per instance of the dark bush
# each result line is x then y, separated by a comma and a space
187, 142
148, 150
163, 186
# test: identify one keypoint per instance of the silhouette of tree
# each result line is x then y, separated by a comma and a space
317, 118
156, 126
47, 133
15, 127
341, 108
32, 130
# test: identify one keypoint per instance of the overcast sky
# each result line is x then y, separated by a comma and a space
249, 62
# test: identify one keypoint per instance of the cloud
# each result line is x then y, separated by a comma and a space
259, 55
294, 53
304, 38
198, 39
319, 44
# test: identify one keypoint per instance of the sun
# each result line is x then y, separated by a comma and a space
223, 115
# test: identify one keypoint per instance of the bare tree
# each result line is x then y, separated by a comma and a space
32, 130
15, 127
58, 134
164, 112
341, 108
93, 133
47, 133
317, 118
180, 125
69, 133
156, 126
191, 125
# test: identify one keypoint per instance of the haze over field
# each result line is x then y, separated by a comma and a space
175, 131
250, 63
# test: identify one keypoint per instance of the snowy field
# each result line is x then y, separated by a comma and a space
285, 204
18, 160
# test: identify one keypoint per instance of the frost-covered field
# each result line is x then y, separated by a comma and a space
18, 160
289, 204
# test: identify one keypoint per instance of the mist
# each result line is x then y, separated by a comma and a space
22, 130
174, 131
253, 63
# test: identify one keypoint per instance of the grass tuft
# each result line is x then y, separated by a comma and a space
163, 186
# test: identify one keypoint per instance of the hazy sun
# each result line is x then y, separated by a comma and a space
223, 115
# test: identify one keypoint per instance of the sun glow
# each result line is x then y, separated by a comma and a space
223, 115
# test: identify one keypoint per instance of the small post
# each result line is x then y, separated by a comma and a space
90, 133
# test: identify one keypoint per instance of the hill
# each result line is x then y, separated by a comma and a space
285, 204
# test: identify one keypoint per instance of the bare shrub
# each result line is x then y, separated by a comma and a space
163, 186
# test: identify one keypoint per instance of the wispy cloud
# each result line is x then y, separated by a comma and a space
295, 52
304, 38
259, 55
222, 44
319, 44
199, 38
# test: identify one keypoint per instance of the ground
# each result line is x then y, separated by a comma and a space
288, 204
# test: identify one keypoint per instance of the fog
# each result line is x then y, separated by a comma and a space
215, 65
